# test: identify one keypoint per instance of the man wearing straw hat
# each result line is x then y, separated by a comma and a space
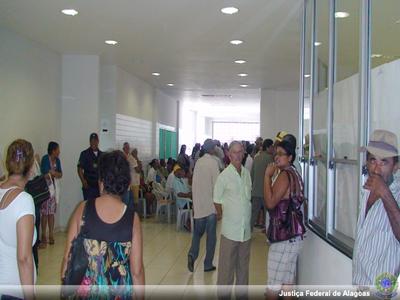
377, 245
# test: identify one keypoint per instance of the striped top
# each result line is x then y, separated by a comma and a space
376, 249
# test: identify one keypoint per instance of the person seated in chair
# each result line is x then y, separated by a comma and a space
181, 189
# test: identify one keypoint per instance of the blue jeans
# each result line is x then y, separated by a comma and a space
207, 224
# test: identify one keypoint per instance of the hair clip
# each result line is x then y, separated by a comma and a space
19, 155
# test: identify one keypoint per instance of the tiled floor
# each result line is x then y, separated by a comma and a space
165, 258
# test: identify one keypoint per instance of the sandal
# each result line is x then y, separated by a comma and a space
42, 245
51, 241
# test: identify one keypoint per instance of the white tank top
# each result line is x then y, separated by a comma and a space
21, 206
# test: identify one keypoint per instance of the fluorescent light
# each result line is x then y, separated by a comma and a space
229, 10
317, 44
243, 74
240, 61
170, 84
307, 75
111, 42
341, 14
236, 42
376, 55
155, 74
244, 85
69, 12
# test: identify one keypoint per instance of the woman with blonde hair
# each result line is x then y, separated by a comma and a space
17, 224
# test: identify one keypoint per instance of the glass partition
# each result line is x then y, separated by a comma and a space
320, 110
345, 129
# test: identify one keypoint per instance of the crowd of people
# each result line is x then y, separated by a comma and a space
242, 185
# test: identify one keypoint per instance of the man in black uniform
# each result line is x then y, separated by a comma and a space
88, 169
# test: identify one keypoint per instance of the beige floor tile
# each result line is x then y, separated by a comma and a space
165, 258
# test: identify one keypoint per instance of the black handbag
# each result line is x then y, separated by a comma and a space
38, 189
77, 261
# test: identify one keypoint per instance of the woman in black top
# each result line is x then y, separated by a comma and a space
112, 236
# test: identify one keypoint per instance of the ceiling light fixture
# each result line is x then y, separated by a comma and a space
155, 74
236, 42
111, 42
307, 75
317, 44
243, 74
244, 85
69, 12
341, 14
240, 61
170, 84
229, 10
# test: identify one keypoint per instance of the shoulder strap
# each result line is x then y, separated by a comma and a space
9, 196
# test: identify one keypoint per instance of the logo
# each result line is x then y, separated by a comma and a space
386, 285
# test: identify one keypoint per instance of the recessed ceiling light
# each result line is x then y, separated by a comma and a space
317, 44
243, 74
229, 10
236, 42
307, 75
398, 21
111, 42
244, 85
240, 61
170, 84
341, 14
376, 55
69, 12
155, 74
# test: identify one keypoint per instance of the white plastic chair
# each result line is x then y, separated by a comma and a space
143, 200
163, 200
181, 212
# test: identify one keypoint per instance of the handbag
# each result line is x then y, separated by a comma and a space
38, 189
289, 222
78, 260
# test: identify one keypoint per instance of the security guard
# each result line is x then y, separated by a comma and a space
88, 168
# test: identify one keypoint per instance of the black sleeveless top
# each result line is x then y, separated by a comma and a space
108, 274
95, 228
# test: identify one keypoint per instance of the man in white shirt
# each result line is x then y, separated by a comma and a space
232, 195
376, 255
205, 175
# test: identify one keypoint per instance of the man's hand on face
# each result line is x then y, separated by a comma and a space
376, 184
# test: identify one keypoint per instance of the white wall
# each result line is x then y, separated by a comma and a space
321, 264
135, 97
279, 110
80, 117
108, 106
30, 89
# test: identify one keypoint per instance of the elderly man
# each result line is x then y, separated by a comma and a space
377, 248
232, 194
205, 175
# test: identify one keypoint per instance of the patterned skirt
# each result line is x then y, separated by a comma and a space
49, 207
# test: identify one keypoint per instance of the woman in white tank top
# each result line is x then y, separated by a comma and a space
17, 219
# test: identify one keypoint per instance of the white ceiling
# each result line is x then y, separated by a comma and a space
187, 41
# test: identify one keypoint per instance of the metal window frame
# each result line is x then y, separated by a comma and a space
335, 238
